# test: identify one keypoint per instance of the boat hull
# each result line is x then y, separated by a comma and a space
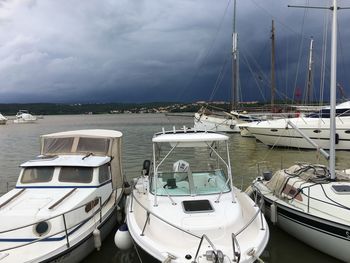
328, 237
216, 124
151, 239
278, 134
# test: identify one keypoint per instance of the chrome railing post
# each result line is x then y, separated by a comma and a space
308, 199
100, 200
144, 227
65, 229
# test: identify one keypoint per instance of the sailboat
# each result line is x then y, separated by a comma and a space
227, 122
312, 201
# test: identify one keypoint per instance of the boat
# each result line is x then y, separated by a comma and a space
3, 119
23, 116
65, 201
180, 210
316, 126
312, 201
227, 122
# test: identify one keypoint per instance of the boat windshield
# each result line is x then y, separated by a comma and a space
37, 175
190, 183
75, 174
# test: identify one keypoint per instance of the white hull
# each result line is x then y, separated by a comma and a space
160, 240
275, 133
204, 122
314, 231
180, 211
305, 203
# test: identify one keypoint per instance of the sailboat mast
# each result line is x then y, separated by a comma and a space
273, 84
309, 74
234, 99
333, 91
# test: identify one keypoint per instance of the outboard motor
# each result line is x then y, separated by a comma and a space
181, 166
146, 167
180, 169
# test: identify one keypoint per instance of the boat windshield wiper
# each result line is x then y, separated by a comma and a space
87, 155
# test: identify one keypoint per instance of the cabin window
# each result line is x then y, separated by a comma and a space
347, 131
317, 131
103, 173
37, 175
100, 145
75, 175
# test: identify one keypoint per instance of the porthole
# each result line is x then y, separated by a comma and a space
91, 205
347, 131
274, 130
41, 228
317, 131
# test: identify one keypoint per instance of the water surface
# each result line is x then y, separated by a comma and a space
20, 142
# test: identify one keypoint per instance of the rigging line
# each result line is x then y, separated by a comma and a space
324, 56
260, 70
219, 79
254, 76
198, 69
342, 68
300, 48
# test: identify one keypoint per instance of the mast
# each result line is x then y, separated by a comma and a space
234, 92
309, 74
333, 91
273, 84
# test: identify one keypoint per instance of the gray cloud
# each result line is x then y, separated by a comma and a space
143, 50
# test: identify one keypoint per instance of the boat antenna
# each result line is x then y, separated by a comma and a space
333, 83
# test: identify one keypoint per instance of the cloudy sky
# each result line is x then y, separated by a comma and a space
158, 50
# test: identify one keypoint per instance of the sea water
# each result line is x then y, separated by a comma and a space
20, 142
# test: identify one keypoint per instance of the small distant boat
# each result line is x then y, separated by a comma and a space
178, 212
23, 116
3, 119
65, 201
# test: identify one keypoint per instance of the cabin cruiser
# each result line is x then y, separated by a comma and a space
23, 116
184, 207
65, 200
228, 122
281, 132
3, 119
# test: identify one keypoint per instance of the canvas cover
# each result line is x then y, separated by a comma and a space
96, 142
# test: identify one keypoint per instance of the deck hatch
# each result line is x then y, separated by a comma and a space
197, 206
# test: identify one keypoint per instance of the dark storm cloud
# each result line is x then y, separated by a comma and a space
152, 50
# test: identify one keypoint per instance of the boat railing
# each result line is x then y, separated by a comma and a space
9, 185
66, 230
235, 243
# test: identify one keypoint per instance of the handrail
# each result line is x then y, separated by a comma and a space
234, 235
204, 236
12, 197
162, 219
238, 254
62, 198
99, 210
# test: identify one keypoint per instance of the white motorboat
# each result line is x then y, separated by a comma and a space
3, 119
280, 133
65, 201
23, 116
312, 202
205, 120
180, 211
